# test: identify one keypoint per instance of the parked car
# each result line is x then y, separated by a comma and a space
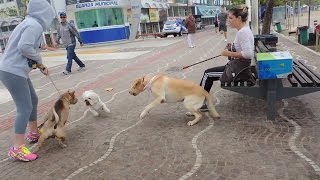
173, 28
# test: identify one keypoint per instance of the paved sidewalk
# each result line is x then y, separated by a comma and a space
242, 145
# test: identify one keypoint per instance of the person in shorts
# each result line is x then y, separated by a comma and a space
222, 19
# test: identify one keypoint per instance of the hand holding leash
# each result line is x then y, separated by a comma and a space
43, 69
201, 62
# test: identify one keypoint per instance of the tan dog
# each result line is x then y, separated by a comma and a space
55, 120
167, 89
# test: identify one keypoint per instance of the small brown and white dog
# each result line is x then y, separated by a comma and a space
55, 120
168, 89
93, 101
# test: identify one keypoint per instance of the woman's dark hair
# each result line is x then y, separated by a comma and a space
241, 10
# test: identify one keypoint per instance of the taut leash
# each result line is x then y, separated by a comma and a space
201, 62
54, 85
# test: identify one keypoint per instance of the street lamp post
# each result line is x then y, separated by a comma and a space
309, 13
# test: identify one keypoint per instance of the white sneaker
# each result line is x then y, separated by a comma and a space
66, 72
81, 68
225, 40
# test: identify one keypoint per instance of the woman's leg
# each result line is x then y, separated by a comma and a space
211, 75
33, 117
20, 92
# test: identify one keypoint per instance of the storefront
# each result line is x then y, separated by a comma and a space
153, 16
100, 21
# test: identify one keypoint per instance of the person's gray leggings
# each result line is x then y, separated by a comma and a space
25, 98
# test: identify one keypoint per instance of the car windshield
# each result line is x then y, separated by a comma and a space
170, 22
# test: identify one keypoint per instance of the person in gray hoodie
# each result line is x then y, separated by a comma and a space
21, 54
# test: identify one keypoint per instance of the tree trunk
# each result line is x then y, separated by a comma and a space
267, 20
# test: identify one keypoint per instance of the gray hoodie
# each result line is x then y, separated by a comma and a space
25, 39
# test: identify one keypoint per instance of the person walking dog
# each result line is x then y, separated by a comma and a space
20, 57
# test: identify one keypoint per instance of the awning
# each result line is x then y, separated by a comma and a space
146, 5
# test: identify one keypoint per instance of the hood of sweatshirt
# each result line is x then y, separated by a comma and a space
42, 11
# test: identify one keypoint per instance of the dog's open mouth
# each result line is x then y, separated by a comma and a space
87, 102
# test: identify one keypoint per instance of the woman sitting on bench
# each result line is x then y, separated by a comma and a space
240, 53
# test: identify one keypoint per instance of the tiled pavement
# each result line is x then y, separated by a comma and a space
241, 145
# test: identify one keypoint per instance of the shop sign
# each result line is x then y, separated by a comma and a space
208, 11
96, 4
154, 15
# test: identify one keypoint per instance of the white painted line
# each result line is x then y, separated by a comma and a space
198, 162
293, 138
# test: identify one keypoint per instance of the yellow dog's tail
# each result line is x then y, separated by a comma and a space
212, 110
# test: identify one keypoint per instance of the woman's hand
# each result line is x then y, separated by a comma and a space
43, 69
225, 53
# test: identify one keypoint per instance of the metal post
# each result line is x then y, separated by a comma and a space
293, 9
309, 13
255, 17
248, 4
299, 13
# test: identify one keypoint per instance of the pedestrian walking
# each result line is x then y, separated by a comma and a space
21, 56
68, 33
222, 20
216, 25
191, 26
240, 54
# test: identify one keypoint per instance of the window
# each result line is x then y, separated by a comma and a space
4, 28
9, 0
1, 1
11, 27
99, 17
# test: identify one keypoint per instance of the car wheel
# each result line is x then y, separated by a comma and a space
175, 35
165, 35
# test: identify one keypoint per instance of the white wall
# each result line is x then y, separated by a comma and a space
60, 6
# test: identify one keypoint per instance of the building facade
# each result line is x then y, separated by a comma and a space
153, 15
100, 21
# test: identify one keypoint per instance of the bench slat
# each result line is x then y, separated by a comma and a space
312, 75
301, 77
262, 47
292, 81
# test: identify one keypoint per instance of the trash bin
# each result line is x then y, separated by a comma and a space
303, 35
279, 28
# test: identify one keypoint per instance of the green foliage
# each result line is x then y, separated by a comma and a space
9, 11
236, 2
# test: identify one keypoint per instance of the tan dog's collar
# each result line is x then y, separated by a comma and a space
148, 86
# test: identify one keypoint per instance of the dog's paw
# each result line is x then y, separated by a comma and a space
190, 123
143, 114
95, 113
105, 109
63, 145
189, 114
